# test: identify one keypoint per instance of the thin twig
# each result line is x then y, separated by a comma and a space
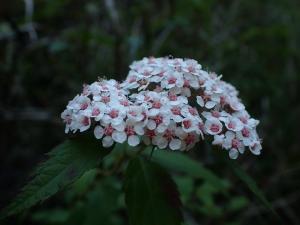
29, 10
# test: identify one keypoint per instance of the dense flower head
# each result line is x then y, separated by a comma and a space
167, 103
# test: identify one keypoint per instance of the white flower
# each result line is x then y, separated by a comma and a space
247, 136
80, 102
172, 79
213, 126
176, 114
233, 144
188, 141
233, 124
256, 148
159, 122
190, 124
96, 110
83, 122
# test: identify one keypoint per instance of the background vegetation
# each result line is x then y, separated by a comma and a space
48, 48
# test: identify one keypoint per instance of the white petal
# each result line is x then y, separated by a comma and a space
242, 149
200, 101
161, 142
119, 136
119, 127
177, 118
210, 104
98, 132
218, 139
133, 140
139, 129
175, 144
153, 112
107, 141
255, 149
233, 153
161, 128
151, 125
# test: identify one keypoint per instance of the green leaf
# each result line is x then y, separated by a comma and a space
177, 161
81, 185
238, 203
185, 186
52, 216
251, 184
102, 203
67, 162
151, 195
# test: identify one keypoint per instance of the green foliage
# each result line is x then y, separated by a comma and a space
66, 163
251, 184
150, 194
98, 206
180, 162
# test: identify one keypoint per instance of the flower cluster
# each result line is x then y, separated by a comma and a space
168, 103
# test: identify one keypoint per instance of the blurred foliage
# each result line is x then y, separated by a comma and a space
46, 55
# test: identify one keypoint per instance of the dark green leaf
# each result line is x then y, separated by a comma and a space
185, 186
54, 216
179, 162
251, 184
66, 163
238, 203
102, 203
151, 195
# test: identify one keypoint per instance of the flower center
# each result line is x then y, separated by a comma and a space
158, 119
215, 128
231, 125
132, 113
150, 133
193, 111
84, 105
168, 135
96, 112
114, 113
124, 102
129, 130
108, 130
85, 121
156, 105
105, 99
172, 80
235, 143
189, 139
172, 97
187, 124
186, 83
215, 114
245, 132
176, 110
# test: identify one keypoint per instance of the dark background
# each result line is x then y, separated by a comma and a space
49, 48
